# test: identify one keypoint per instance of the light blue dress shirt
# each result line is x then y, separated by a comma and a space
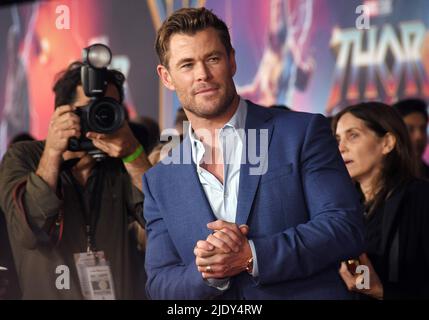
223, 198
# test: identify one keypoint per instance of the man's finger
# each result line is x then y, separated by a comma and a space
202, 244
216, 225
204, 253
230, 238
244, 228
71, 133
68, 124
95, 135
212, 275
64, 109
218, 243
220, 224
218, 258
101, 145
212, 269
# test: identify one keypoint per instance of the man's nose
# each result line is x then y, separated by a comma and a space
202, 72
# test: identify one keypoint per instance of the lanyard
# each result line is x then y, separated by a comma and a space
90, 217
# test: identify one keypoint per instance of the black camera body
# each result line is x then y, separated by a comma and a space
102, 114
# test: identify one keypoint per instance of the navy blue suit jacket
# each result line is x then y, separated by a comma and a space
303, 213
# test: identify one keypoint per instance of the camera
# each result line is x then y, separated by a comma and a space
102, 114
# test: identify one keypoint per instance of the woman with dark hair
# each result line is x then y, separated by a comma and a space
376, 149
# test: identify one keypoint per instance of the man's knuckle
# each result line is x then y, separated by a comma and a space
226, 231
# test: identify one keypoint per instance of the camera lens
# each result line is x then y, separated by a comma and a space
106, 116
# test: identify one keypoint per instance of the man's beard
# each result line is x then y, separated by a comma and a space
222, 107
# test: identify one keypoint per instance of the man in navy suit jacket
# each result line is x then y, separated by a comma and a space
256, 203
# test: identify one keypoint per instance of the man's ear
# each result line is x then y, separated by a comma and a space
165, 77
232, 62
389, 143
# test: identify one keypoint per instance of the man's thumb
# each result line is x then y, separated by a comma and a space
244, 228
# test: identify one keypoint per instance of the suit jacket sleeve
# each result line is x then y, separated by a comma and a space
168, 276
334, 231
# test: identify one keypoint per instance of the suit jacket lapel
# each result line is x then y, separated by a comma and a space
191, 194
257, 118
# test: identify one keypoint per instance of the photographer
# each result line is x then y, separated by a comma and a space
61, 205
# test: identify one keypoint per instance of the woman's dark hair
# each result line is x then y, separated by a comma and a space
399, 166
408, 106
68, 80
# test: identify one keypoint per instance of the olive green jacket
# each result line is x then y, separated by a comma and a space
41, 240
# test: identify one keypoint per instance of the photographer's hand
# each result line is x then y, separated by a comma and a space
121, 144
118, 144
64, 124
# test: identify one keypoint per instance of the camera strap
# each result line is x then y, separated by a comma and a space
91, 211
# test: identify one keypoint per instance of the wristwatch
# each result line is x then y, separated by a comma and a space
249, 266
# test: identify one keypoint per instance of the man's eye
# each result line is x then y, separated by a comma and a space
214, 59
186, 66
